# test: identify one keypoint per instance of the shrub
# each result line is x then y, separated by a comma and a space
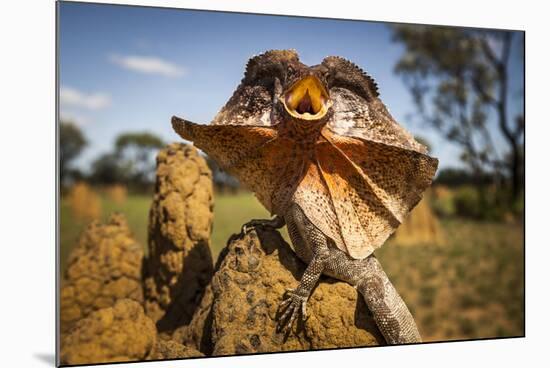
467, 202
444, 207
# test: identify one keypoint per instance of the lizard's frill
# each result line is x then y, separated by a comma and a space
372, 187
263, 162
356, 191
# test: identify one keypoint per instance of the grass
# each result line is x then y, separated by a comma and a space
471, 287
230, 213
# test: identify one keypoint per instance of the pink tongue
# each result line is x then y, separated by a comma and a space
305, 104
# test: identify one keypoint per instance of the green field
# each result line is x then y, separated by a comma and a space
470, 287
230, 213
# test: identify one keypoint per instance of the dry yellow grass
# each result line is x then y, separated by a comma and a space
84, 202
473, 287
420, 227
117, 193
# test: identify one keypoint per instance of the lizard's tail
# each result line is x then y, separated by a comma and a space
390, 313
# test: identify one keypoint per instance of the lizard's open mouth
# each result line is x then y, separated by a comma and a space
307, 99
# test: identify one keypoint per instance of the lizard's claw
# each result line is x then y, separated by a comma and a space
274, 223
294, 304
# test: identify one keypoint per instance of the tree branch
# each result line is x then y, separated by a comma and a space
488, 52
484, 95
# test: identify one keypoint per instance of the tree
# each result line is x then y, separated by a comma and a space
424, 142
136, 151
464, 75
453, 177
71, 144
108, 169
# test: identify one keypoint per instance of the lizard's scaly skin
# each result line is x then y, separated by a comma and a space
343, 176
389, 311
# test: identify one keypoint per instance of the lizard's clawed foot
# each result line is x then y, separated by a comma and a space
294, 304
274, 223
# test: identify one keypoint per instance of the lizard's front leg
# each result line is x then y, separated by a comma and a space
296, 300
312, 247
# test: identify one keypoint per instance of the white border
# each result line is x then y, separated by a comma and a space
27, 182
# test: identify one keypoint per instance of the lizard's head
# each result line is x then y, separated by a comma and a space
277, 88
299, 92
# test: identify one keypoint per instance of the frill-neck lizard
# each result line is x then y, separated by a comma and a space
322, 153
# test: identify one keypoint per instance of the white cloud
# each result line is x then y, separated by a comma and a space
75, 118
149, 65
70, 97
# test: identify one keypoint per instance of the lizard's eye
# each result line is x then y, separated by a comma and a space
307, 99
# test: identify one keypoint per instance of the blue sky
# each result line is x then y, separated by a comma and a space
131, 68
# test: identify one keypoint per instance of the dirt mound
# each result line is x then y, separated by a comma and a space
84, 202
179, 265
169, 349
420, 227
117, 193
120, 333
197, 333
103, 267
252, 274
117, 334
441, 192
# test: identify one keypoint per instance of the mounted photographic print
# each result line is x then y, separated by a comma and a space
234, 183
